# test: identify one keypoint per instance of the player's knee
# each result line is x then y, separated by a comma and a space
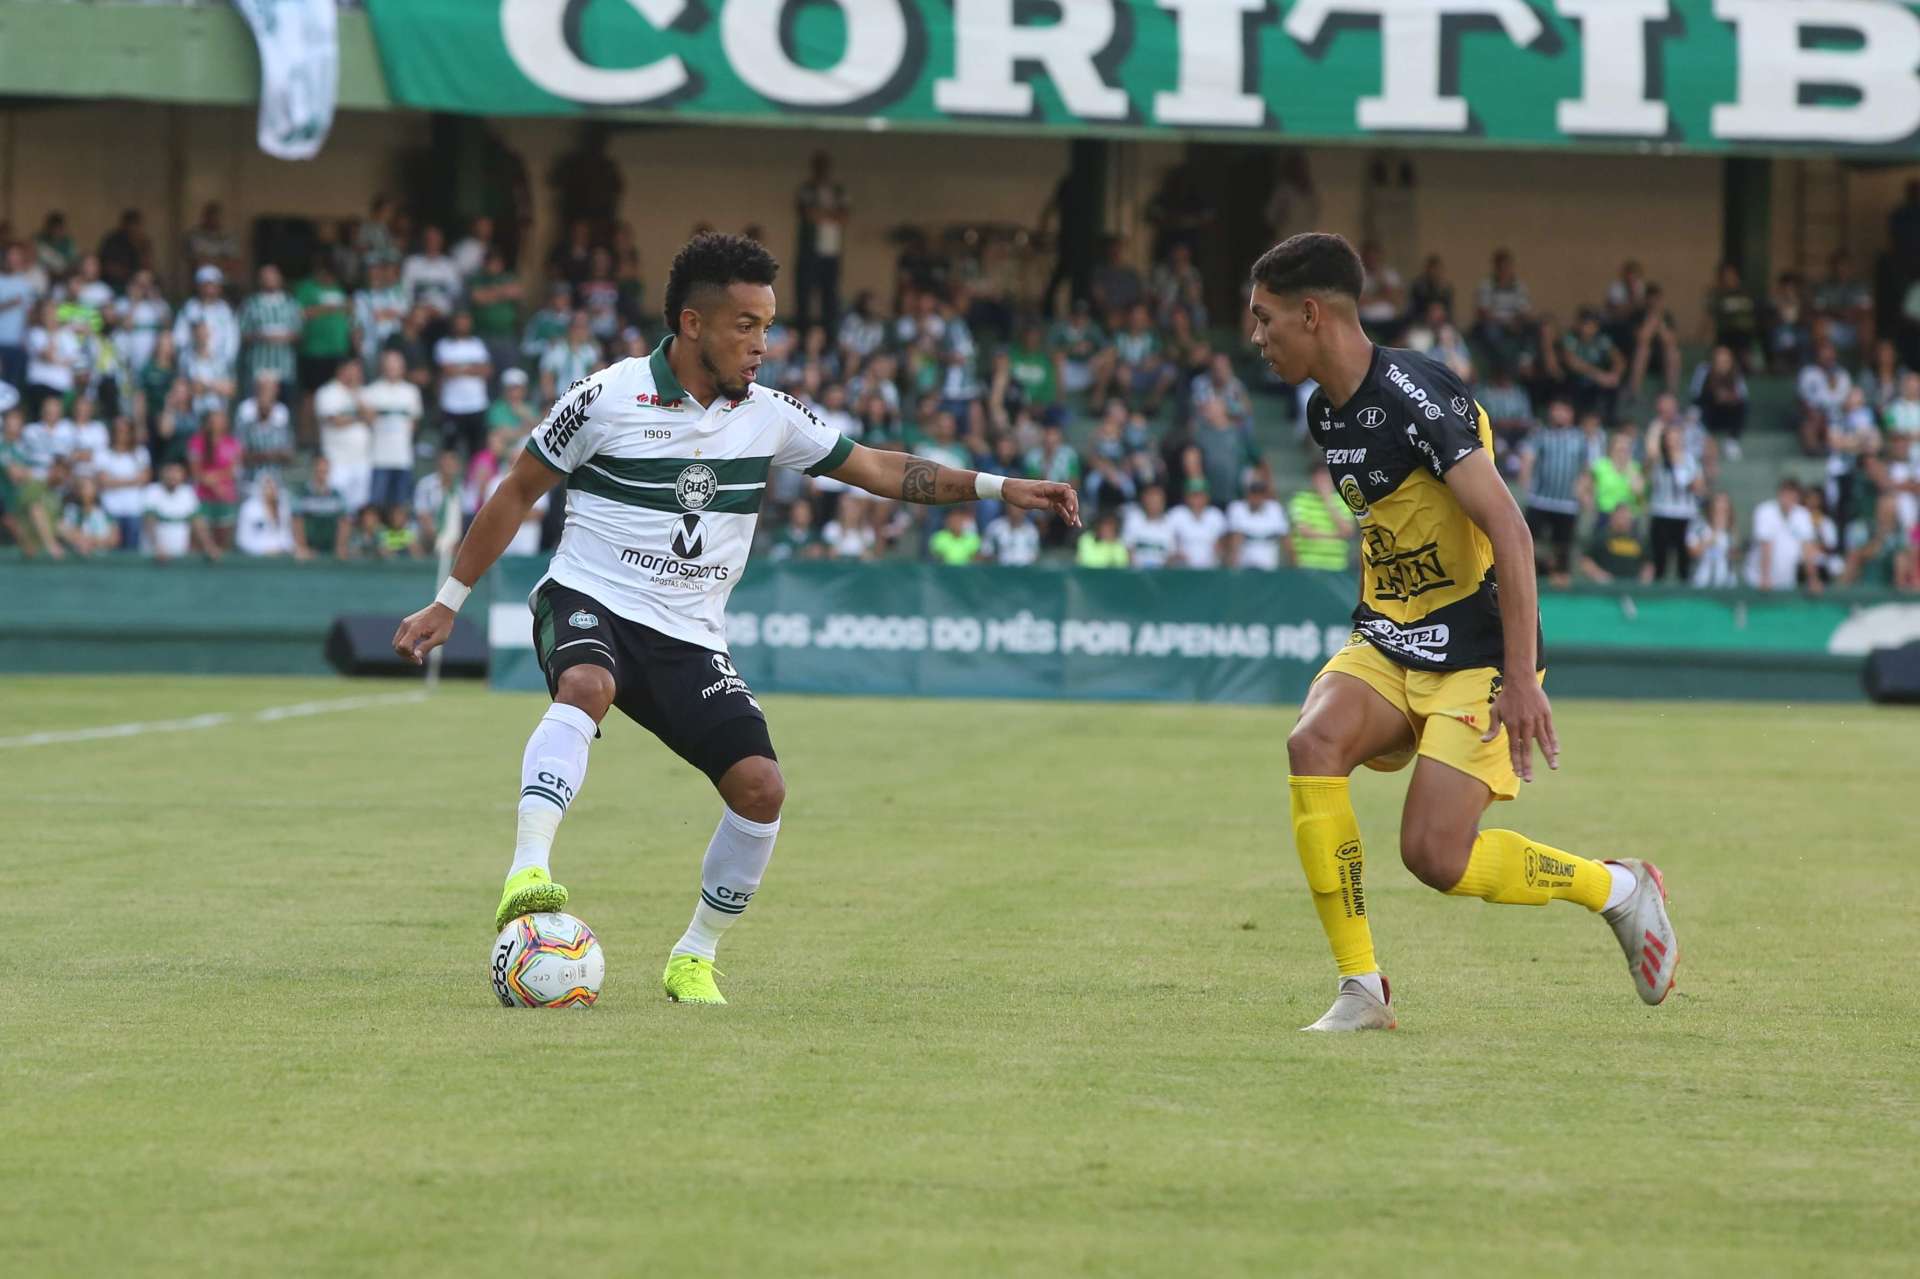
1436, 858
589, 688
1313, 751
755, 790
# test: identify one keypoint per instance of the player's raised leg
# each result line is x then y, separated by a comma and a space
1441, 843
1344, 723
552, 770
753, 791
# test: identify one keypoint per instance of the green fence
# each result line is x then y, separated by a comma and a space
898, 628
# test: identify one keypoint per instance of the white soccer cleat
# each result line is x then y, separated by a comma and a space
1357, 1009
1645, 932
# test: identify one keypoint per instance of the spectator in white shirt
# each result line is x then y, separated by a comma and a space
395, 405
174, 526
125, 470
1712, 543
1013, 539
1145, 530
437, 498
1197, 527
1259, 534
346, 434
88, 438
266, 521
464, 367
208, 306
471, 253
1823, 387
432, 278
54, 357
1784, 540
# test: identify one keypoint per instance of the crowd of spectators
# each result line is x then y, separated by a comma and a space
357, 402
1616, 449
373, 400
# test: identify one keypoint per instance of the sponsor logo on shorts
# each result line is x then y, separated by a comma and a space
697, 487
583, 621
1373, 418
722, 664
1421, 643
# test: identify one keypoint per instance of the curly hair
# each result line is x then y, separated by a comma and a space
1312, 262
717, 260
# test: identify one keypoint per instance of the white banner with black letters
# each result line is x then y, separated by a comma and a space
299, 73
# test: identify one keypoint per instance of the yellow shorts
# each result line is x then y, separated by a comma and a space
1447, 711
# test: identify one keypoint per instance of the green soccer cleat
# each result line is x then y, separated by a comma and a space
528, 892
689, 980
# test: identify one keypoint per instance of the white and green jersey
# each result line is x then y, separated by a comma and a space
663, 495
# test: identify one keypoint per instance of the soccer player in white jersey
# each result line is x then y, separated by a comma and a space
665, 461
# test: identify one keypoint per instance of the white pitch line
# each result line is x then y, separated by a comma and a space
270, 715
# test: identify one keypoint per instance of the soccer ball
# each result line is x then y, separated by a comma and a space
547, 961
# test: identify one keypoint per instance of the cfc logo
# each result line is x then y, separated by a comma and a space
697, 487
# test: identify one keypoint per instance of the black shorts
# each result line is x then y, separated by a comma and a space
1554, 531
689, 697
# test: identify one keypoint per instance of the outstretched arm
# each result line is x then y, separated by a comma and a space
915, 479
493, 528
1521, 704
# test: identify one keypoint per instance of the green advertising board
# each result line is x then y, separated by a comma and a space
929, 630
1701, 75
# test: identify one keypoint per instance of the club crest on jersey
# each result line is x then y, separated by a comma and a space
697, 487
1373, 418
1350, 494
689, 539
583, 621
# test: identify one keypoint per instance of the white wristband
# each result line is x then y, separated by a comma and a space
453, 593
987, 487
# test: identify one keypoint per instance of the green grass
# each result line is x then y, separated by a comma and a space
1019, 998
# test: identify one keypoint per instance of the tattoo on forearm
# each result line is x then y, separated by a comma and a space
918, 483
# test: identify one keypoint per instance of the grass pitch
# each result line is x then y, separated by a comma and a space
1019, 998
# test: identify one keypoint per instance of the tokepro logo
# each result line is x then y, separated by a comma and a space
697, 487
1418, 395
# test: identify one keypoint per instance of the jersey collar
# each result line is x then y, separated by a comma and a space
665, 384
1373, 367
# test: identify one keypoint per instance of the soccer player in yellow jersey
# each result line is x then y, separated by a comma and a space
1444, 667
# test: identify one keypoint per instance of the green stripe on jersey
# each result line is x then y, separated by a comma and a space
533, 447
667, 470
665, 498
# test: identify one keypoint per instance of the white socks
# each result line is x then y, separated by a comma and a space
1623, 885
551, 772
736, 859
1372, 982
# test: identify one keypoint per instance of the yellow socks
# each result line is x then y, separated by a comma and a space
1513, 870
1327, 835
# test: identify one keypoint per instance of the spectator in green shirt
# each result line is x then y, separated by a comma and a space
1037, 370
798, 539
959, 541
547, 325
494, 298
326, 337
270, 323
513, 411
1101, 547
1322, 528
320, 525
1617, 478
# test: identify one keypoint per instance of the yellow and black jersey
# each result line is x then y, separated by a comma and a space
1428, 598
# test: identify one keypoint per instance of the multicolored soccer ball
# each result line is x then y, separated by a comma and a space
547, 961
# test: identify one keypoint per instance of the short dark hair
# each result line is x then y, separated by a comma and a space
717, 259
1312, 262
